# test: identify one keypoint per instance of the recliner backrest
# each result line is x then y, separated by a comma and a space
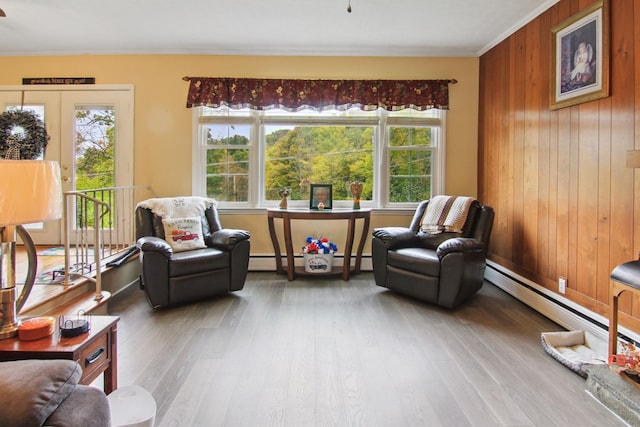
478, 225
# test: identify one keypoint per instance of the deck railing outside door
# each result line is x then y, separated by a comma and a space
99, 227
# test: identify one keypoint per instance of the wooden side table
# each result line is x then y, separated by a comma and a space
625, 277
96, 351
351, 215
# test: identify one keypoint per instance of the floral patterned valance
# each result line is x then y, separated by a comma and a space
294, 95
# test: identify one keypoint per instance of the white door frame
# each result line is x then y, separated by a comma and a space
60, 101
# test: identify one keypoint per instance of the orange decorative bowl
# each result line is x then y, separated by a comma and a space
36, 328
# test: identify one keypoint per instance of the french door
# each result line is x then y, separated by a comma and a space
90, 135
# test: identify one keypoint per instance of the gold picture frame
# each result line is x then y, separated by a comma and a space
580, 57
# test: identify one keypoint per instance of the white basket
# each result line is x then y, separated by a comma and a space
318, 263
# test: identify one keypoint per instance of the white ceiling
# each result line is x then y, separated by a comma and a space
262, 27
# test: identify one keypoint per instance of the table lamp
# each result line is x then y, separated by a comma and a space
30, 191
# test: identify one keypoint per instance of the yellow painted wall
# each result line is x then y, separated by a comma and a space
163, 124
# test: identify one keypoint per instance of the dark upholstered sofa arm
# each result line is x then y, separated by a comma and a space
396, 237
227, 238
459, 244
154, 244
34, 389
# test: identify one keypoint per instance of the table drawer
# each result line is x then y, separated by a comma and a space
93, 358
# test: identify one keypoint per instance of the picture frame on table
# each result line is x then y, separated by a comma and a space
580, 57
321, 196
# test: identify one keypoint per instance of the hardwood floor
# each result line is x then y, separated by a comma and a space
320, 352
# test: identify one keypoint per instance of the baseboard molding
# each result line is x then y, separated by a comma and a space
561, 310
267, 262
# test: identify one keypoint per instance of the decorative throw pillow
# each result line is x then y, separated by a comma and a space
184, 234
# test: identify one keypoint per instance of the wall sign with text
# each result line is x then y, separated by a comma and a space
59, 81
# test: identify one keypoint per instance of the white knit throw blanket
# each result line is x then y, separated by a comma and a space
446, 213
177, 207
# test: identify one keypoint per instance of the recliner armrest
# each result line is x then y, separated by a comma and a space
227, 238
154, 244
396, 237
459, 244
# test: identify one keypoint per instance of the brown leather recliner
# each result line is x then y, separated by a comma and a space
171, 278
444, 269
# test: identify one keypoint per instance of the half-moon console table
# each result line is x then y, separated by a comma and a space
287, 215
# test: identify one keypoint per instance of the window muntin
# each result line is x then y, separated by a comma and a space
244, 157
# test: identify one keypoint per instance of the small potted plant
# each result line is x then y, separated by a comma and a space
318, 255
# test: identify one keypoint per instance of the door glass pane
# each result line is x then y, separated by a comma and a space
94, 158
94, 147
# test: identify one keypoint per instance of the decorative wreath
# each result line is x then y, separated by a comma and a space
22, 135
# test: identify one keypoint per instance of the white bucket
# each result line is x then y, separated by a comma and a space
132, 406
318, 263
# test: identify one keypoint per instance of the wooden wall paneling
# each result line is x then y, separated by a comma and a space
562, 201
562, 134
572, 144
604, 202
531, 127
564, 197
492, 154
622, 136
506, 147
517, 108
502, 146
552, 124
542, 95
483, 128
636, 192
587, 200
603, 270
587, 194
498, 136
587, 203
486, 130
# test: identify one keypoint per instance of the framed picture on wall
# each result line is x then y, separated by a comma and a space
321, 196
580, 57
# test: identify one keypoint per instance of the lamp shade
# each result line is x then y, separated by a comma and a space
30, 191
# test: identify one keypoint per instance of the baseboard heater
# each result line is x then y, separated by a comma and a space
561, 310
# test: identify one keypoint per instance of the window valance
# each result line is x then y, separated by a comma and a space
294, 95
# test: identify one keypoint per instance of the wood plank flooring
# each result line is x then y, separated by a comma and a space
324, 352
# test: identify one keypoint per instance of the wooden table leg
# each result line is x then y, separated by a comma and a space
613, 318
289, 247
276, 246
111, 373
346, 267
363, 237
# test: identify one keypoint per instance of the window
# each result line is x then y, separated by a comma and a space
243, 158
